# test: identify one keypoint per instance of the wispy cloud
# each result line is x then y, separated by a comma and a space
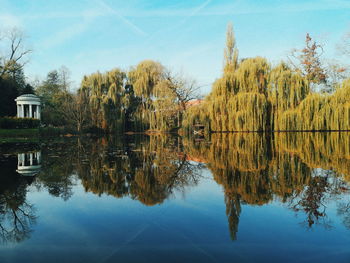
65, 34
194, 12
216, 8
9, 20
126, 21
187, 16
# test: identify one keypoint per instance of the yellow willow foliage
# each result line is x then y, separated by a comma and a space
196, 115
218, 112
153, 84
286, 89
105, 91
238, 101
320, 112
217, 102
165, 107
247, 112
252, 75
145, 77
231, 51
250, 96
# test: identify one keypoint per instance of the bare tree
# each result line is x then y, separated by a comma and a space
65, 77
336, 73
307, 61
76, 109
184, 89
16, 55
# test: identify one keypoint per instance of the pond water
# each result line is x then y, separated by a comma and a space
230, 198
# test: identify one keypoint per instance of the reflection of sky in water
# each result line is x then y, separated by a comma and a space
190, 225
88, 228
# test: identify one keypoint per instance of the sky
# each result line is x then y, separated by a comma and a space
187, 36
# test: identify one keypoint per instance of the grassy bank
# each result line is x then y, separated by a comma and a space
29, 135
19, 135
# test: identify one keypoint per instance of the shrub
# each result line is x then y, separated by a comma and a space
18, 123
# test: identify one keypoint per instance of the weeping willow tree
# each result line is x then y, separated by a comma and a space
238, 100
164, 116
286, 90
253, 96
148, 97
197, 119
105, 91
224, 87
144, 77
163, 96
320, 112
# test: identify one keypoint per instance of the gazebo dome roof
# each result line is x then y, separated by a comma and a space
28, 97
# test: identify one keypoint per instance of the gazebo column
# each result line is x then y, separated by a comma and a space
30, 111
22, 110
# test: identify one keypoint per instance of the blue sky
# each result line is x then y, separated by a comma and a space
186, 36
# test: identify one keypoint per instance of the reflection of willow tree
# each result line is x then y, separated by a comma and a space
256, 169
149, 171
16, 214
331, 151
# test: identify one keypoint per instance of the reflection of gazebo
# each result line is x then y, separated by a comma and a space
29, 164
28, 106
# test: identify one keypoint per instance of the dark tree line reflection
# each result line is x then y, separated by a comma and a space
303, 171
17, 215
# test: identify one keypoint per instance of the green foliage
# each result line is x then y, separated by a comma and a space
53, 95
286, 90
9, 92
18, 135
146, 79
18, 123
12, 78
12, 84
148, 97
105, 92
320, 112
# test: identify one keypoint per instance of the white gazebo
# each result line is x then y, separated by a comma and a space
28, 106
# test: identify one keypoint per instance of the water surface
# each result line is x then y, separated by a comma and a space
231, 198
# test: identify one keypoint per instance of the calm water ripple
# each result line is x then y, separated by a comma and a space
231, 198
